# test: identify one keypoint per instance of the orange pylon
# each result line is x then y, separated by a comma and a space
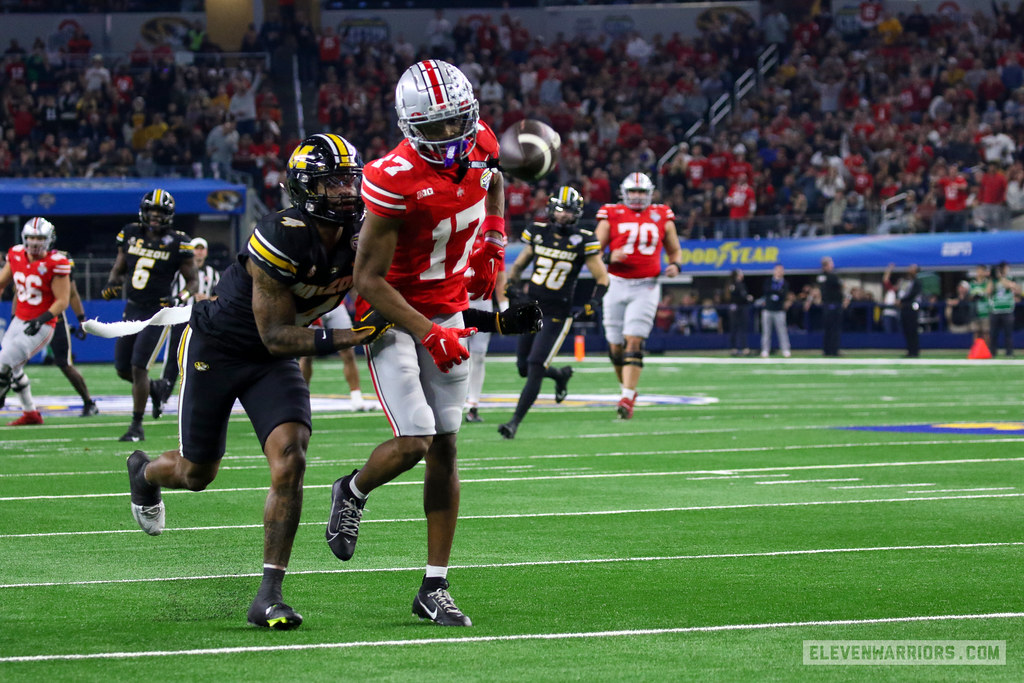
979, 350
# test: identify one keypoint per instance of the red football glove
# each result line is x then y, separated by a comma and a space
443, 345
485, 262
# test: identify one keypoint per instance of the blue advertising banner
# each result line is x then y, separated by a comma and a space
110, 196
934, 251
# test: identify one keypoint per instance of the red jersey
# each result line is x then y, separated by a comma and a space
741, 200
639, 234
32, 281
440, 219
955, 191
696, 171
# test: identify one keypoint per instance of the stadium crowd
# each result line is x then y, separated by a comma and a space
845, 122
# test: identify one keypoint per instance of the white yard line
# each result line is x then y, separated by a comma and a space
985, 488
807, 481
536, 515
449, 641
883, 486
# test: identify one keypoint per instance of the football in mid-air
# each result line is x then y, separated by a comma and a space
529, 149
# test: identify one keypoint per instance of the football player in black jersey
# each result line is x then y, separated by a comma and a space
150, 254
559, 249
244, 344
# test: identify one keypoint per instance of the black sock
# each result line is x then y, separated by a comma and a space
432, 583
270, 588
136, 418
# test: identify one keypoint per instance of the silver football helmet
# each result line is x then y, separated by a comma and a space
637, 191
437, 111
38, 236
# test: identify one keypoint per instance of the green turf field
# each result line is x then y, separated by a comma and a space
693, 542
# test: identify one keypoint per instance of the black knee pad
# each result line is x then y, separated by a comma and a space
633, 358
20, 382
617, 359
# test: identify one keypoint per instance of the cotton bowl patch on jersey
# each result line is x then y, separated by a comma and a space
994, 428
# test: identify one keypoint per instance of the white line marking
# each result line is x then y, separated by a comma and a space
559, 477
506, 638
884, 486
534, 515
807, 481
990, 488
736, 476
536, 563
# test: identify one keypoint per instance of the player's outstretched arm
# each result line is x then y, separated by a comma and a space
274, 310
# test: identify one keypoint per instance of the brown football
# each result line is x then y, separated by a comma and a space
529, 150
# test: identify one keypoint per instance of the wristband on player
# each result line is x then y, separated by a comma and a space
599, 291
184, 295
81, 317
323, 342
495, 223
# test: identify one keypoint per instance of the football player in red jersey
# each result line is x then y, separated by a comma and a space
42, 286
635, 232
426, 200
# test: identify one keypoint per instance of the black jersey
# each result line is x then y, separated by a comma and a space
152, 263
286, 246
558, 258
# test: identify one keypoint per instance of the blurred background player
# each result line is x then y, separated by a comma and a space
478, 343
42, 284
207, 277
409, 268
339, 319
635, 232
242, 345
559, 249
776, 301
60, 345
150, 254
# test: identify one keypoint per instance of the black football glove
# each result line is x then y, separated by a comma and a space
520, 318
111, 291
78, 332
33, 326
372, 321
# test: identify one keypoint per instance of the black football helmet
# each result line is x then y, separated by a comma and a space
156, 210
565, 207
320, 162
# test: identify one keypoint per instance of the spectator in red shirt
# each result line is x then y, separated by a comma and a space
517, 200
955, 193
742, 204
991, 211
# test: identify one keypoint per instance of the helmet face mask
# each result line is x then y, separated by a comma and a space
565, 207
37, 236
156, 210
437, 111
637, 191
325, 174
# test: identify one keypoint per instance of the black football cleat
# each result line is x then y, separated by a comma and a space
147, 504
437, 605
134, 433
343, 524
473, 416
562, 384
159, 392
276, 615
508, 430
89, 409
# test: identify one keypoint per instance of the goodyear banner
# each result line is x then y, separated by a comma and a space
935, 251
109, 196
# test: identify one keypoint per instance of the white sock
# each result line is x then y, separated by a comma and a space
628, 393
437, 572
356, 492
355, 397
25, 394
